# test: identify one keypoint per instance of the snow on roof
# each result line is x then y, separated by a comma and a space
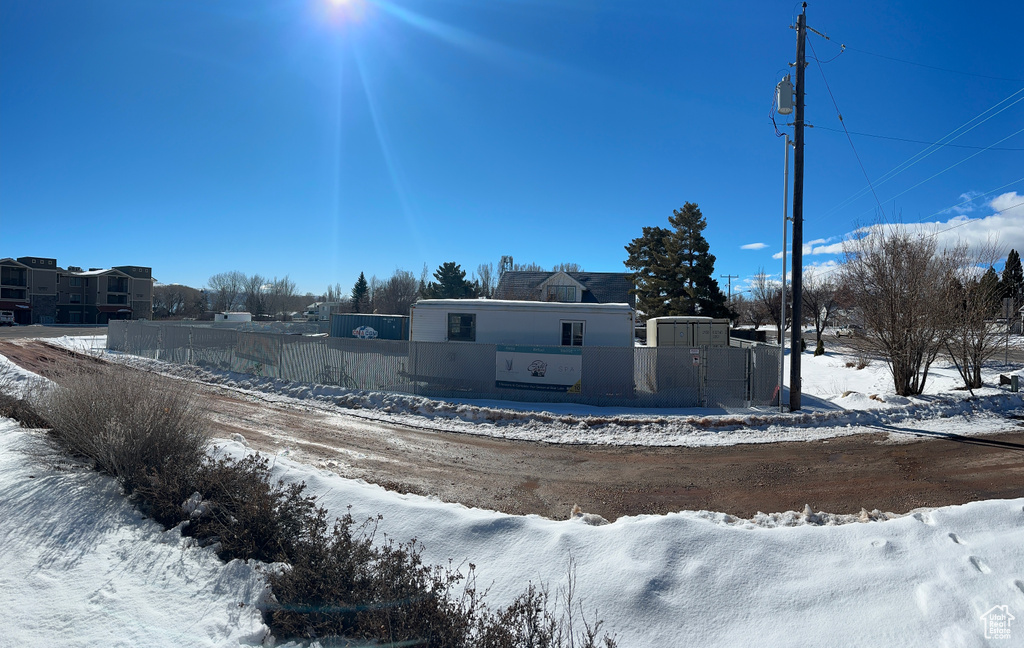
510, 304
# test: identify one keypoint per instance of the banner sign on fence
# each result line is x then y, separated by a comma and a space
258, 348
537, 367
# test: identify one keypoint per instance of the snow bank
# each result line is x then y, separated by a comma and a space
80, 567
707, 579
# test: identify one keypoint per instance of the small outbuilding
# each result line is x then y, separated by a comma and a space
687, 331
232, 317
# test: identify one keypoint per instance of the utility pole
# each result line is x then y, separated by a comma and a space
782, 306
798, 214
730, 278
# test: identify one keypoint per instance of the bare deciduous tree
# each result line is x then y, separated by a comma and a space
820, 298
899, 280
397, 294
972, 303
486, 280
748, 311
335, 293
567, 267
278, 295
225, 288
176, 301
253, 296
767, 298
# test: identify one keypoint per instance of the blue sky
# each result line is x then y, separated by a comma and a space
320, 139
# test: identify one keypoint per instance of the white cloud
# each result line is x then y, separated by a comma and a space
754, 246
822, 269
1004, 228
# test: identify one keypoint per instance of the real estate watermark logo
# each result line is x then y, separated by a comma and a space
997, 622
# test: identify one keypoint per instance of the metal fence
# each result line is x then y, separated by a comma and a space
623, 376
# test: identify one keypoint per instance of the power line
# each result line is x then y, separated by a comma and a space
934, 67
967, 222
972, 199
951, 166
850, 139
953, 135
913, 141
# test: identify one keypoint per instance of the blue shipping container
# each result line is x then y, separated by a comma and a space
370, 327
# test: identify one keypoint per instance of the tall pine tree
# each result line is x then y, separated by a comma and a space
673, 268
360, 295
1013, 278
990, 292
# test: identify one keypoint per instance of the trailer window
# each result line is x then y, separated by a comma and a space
572, 333
461, 327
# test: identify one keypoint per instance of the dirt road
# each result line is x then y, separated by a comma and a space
840, 475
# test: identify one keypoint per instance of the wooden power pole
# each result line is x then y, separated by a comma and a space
798, 215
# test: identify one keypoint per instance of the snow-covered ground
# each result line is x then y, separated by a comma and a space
79, 567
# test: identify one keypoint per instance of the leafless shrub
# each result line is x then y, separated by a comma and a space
538, 619
898, 280
131, 424
973, 300
341, 581
16, 398
344, 585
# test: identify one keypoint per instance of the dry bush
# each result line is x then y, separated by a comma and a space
16, 399
130, 424
341, 583
898, 281
536, 619
251, 517
342, 586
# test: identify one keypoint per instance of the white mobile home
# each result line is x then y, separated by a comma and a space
499, 321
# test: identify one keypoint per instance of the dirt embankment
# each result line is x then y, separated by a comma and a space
840, 475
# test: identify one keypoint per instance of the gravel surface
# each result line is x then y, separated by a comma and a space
839, 475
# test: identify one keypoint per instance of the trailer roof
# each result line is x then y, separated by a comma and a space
515, 304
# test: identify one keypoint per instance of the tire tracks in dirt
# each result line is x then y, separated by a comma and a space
839, 475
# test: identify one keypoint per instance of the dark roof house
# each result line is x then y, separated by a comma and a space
583, 287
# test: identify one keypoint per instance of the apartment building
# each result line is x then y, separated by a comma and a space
39, 291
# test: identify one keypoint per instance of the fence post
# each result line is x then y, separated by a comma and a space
702, 376
750, 367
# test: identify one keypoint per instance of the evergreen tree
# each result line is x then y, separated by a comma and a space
451, 283
360, 295
1013, 278
672, 269
990, 292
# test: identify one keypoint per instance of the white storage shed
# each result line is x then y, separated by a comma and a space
499, 321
